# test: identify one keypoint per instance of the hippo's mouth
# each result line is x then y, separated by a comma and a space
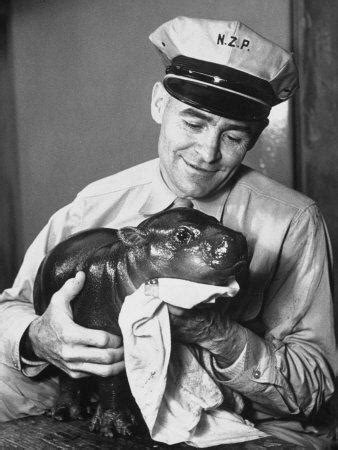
238, 266
237, 270
234, 277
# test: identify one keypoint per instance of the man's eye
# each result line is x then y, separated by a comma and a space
193, 126
234, 139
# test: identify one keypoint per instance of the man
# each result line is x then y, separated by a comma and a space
275, 346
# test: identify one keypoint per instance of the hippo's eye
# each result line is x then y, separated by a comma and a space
184, 235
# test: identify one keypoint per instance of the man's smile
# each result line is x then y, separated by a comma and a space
197, 167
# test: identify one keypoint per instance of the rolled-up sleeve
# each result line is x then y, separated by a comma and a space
16, 303
288, 370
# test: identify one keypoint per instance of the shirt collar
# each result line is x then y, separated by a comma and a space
214, 205
161, 197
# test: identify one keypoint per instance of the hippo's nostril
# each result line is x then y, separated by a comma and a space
216, 253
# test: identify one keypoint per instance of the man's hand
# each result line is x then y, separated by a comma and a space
76, 350
211, 329
205, 325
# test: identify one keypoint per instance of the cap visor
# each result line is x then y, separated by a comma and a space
216, 101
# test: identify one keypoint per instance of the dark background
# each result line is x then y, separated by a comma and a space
75, 86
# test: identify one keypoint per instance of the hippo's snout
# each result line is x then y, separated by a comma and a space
226, 251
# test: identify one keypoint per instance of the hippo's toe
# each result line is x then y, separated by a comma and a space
111, 422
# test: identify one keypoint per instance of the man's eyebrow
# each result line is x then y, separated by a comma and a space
192, 112
238, 127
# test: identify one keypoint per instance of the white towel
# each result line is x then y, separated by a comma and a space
178, 399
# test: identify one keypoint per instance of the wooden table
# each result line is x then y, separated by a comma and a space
45, 433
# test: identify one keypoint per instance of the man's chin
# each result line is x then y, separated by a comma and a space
203, 188
196, 185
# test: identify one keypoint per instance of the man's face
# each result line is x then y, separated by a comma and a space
199, 151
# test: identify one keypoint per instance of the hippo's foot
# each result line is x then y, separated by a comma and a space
74, 400
65, 411
71, 408
111, 422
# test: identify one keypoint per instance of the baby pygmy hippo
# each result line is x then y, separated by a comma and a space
177, 243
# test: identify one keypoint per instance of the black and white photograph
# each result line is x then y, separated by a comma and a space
168, 224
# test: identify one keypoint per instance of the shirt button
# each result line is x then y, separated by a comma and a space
257, 374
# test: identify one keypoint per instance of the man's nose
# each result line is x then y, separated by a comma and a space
209, 147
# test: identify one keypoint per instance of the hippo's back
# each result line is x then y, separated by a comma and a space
68, 257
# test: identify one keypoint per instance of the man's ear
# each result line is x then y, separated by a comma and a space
158, 102
260, 126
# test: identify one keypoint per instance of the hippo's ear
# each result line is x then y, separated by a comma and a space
132, 237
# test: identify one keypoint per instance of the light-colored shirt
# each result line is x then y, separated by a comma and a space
285, 368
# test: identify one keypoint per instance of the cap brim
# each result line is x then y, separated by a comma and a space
216, 101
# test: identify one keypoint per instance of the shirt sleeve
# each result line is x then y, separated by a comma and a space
236, 368
287, 371
16, 303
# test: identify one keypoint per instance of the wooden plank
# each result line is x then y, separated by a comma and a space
42, 432
9, 172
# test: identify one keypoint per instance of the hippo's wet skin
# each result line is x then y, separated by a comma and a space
177, 243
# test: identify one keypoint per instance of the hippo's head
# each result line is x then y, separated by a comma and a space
188, 244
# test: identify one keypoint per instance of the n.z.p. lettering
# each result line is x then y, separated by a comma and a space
233, 41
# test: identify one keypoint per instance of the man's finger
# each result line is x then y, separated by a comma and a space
101, 370
69, 290
94, 338
94, 355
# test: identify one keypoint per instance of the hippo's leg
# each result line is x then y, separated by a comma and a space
74, 399
117, 411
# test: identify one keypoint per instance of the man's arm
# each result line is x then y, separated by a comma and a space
16, 303
53, 337
287, 370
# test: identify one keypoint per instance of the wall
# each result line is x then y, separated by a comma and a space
317, 132
83, 74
